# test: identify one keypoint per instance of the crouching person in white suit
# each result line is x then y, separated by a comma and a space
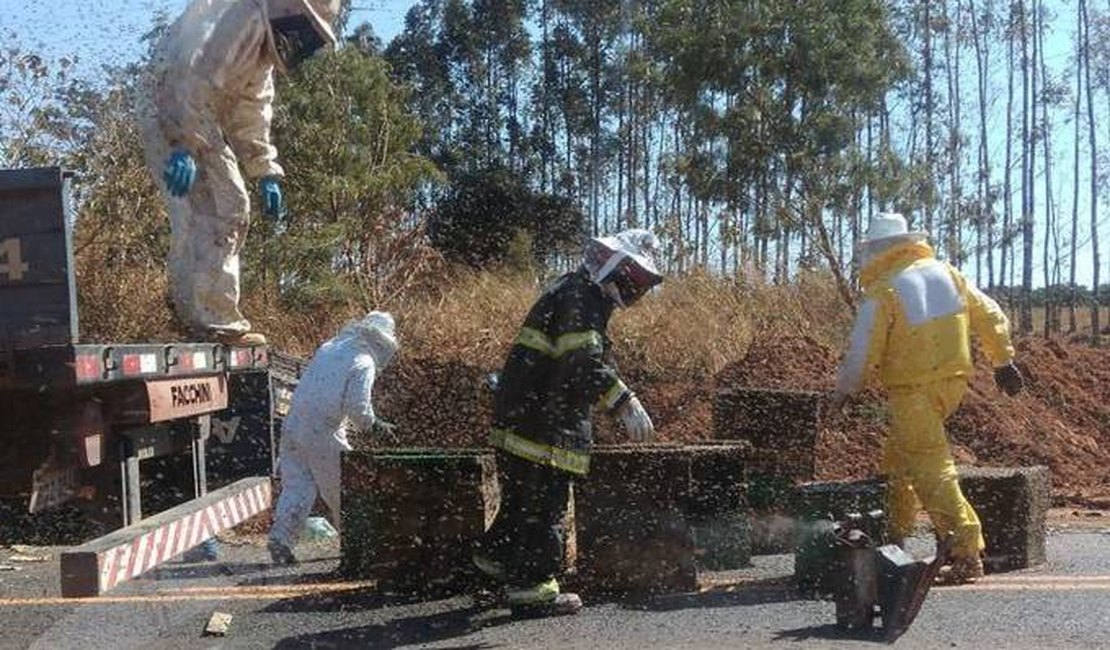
334, 395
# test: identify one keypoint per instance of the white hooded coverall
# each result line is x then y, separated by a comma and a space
333, 395
210, 92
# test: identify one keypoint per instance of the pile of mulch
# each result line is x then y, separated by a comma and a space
1062, 420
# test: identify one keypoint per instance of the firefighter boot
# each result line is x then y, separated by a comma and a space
488, 566
543, 600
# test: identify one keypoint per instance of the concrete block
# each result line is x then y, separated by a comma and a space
780, 425
410, 516
1011, 503
632, 534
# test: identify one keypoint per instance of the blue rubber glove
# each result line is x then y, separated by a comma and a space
180, 173
272, 204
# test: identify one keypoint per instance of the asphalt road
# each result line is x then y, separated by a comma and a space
1060, 605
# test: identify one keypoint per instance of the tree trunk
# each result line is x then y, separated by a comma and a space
1092, 141
1050, 323
1028, 99
953, 153
1006, 252
981, 38
927, 57
1072, 325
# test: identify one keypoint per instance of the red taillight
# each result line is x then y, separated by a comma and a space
88, 367
140, 364
132, 365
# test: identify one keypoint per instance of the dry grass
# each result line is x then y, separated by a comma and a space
691, 327
123, 306
1082, 320
473, 319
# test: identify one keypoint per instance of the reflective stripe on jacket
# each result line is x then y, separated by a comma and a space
914, 325
555, 374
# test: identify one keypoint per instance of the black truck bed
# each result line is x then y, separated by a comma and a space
40, 346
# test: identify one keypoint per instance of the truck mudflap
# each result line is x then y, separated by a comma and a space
102, 564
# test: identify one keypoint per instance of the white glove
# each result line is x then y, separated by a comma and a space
636, 420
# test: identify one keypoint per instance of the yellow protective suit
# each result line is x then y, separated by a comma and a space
210, 91
913, 331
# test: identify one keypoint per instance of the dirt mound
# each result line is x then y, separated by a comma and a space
791, 363
847, 445
1062, 420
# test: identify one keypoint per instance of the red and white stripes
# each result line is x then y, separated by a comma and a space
140, 554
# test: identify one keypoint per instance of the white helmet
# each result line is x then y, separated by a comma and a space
886, 226
298, 28
624, 264
886, 229
376, 330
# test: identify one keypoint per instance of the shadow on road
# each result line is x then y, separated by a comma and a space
292, 579
403, 632
830, 632
354, 600
206, 570
755, 593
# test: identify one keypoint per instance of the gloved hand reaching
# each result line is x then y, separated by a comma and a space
180, 172
273, 205
636, 420
1009, 379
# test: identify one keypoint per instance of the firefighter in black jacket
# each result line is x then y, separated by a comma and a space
555, 374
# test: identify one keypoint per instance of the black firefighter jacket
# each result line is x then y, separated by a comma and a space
554, 376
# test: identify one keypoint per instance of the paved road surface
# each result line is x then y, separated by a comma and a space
1065, 604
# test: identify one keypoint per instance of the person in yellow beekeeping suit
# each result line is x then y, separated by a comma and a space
913, 332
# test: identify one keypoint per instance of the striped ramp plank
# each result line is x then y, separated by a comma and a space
97, 566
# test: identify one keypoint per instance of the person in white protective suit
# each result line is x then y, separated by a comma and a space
332, 397
206, 112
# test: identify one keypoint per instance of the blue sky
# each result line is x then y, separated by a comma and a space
103, 31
